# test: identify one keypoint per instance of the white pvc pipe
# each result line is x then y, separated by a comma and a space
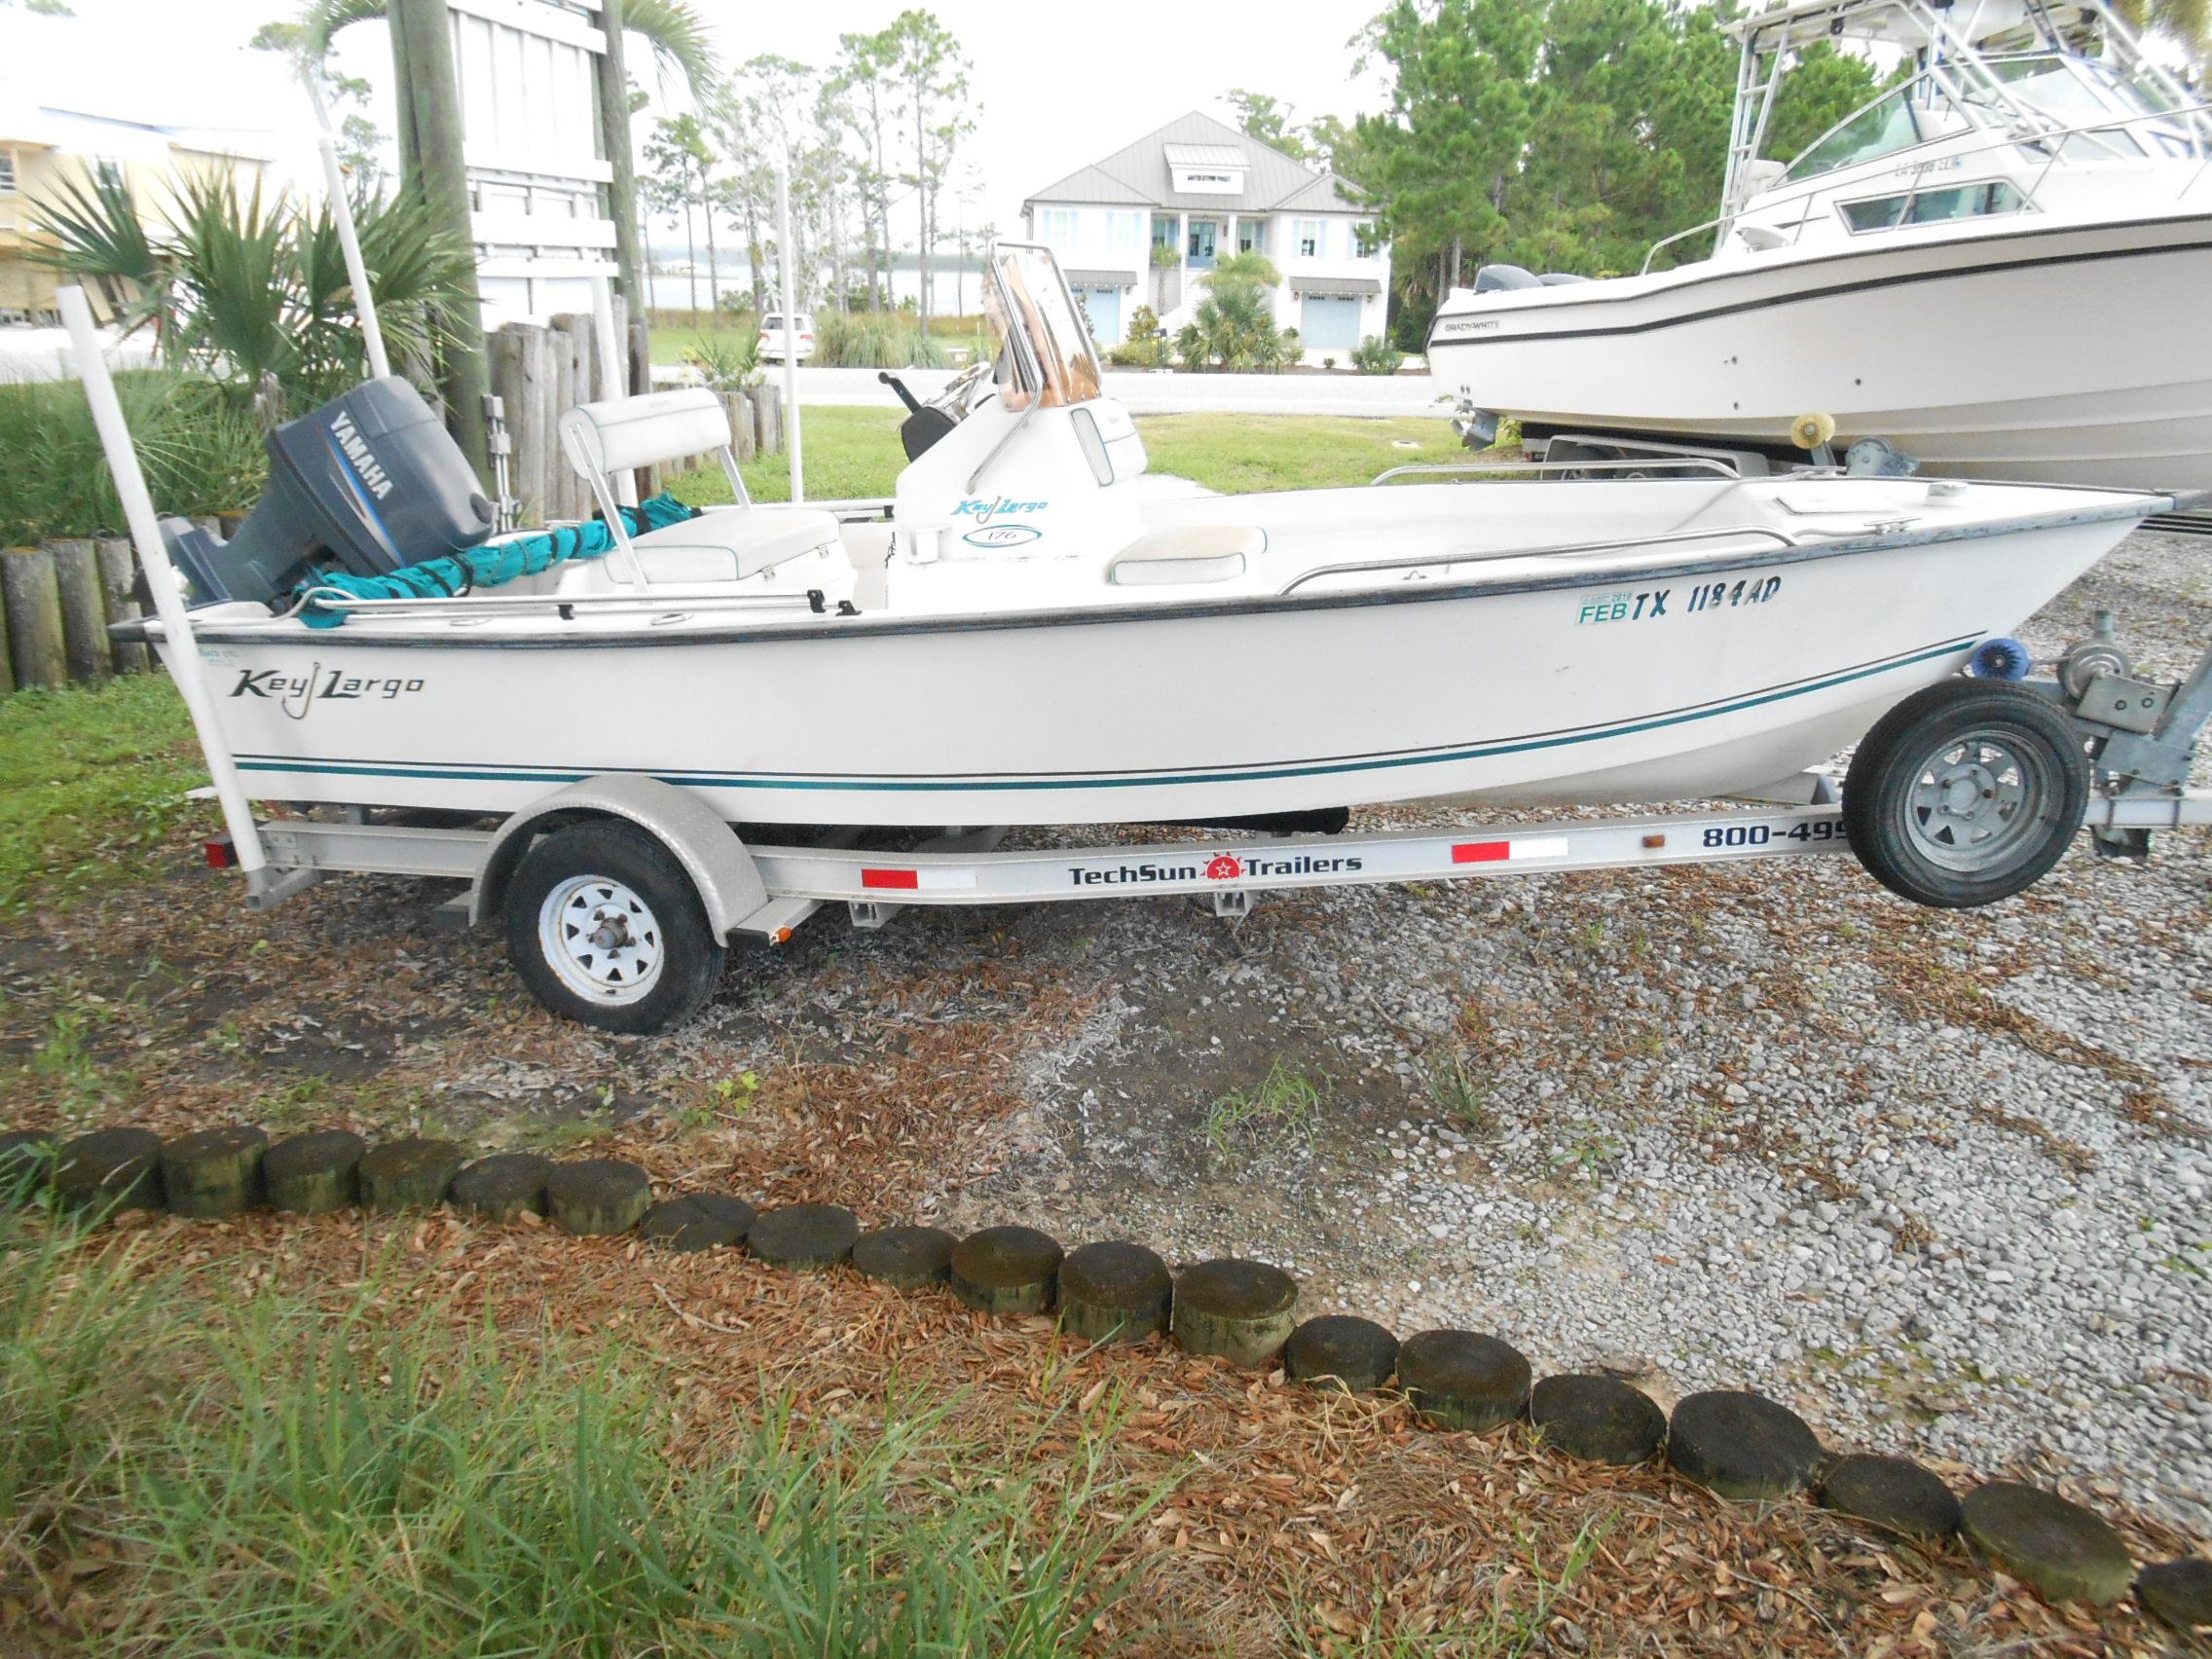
791, 323
612, 382
185, 666
348, 238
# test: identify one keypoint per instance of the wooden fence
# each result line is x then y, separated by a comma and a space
538, 370
56, 599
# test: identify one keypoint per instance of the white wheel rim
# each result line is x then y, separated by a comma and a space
603, 941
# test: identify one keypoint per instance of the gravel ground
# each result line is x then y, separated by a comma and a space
1940, 1180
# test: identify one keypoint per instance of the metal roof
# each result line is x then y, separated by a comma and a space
1141, 174
1335, 287
1204, 155
1100, 278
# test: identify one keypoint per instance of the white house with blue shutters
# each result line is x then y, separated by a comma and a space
1201, 189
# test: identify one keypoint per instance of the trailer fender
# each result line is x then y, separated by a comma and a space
727, 881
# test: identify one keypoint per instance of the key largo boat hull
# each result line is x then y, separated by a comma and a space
1669, 672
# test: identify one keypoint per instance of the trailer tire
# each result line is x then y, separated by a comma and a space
651, 960
1966, 793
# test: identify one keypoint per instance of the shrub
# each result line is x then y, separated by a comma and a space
1328, 362
1376, 355
727, 362
253, 292
199, 448
924, 352
858, 340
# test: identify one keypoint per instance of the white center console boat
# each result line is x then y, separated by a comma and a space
1025, 635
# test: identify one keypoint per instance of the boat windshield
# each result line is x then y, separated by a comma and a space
1045, 355
2062, 89
1892, 123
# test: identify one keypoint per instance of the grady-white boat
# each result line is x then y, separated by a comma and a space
1027, 632
2000, 266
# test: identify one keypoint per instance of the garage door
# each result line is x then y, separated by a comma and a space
1104, 305
1328, 324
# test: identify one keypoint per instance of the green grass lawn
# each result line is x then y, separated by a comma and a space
90, 779
855, 452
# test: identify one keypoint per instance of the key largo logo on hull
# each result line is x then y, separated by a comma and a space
991, 529
296, 693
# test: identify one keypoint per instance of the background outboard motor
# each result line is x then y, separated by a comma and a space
371, 481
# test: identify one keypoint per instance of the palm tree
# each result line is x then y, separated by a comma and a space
677, 33
250, 291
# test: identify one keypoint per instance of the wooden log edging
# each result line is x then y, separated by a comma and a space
1732, 1443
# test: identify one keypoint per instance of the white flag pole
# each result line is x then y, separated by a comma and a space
348, 238
185, 666
791, 323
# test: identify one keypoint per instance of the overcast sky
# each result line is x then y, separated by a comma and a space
1056, 85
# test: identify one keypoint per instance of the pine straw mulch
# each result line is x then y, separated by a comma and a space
1299, 1520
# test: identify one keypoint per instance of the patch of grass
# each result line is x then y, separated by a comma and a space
848, 451
1458, 1092
1235, 453
268, 1475
91, 778
855, 452
1284, 1106
199, 448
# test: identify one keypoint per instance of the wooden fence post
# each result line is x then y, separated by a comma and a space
119, 577
560, 345
641, 383
768, 419
740, 406
527, 423
34, 615
7, 651
84, 616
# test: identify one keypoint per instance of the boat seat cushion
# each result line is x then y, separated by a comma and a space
1187, 553
723, 544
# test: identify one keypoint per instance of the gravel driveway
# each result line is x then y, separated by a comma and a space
1943, 1180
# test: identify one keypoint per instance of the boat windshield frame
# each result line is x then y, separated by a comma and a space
1046, 356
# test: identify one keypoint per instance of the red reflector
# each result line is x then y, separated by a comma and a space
1481, 852
911, 878
221, 854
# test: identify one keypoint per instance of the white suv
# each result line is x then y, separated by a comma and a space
773, 337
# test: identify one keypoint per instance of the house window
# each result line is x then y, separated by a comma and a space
1367, 242
1056, 227
1312, 236
1251, 236
6, 173
1127, 232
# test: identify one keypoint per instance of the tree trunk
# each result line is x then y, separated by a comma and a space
752, 258
922, 207
430, 110
713, 260
690, 254
613, 88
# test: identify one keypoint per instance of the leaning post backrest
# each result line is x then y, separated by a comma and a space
619, 434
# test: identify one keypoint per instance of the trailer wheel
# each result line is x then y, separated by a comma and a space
605, 928
1964, 794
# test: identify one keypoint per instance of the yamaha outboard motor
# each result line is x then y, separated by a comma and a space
371, 481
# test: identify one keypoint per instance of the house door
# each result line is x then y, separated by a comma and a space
1202, 233
1103, 306
1328, 324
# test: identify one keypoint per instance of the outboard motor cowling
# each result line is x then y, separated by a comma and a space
371, 481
